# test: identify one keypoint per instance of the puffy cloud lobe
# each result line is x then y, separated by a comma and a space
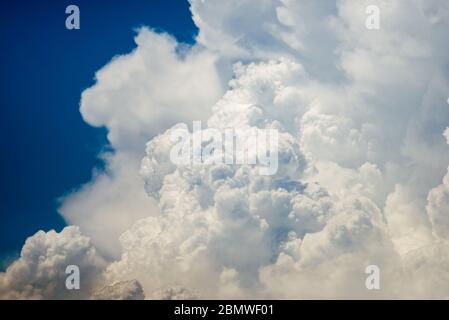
407, 220
330, 263
438, 209
157, 85
270, 29
424, 274
40, 272
125, 290
330, 137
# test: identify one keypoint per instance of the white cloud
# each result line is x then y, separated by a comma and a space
125, 290
425, 272
136, 96
160, 83
407, 220
360, 113
39, 273
248, 30
109, 205
438, 208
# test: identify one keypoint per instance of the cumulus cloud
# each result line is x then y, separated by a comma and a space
40, 272
108, 205
362, 176
124, 290
157, 85
438, 208
136, 96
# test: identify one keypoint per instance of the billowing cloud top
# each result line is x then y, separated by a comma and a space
362, 175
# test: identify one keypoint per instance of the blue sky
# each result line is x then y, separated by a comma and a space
47, 149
